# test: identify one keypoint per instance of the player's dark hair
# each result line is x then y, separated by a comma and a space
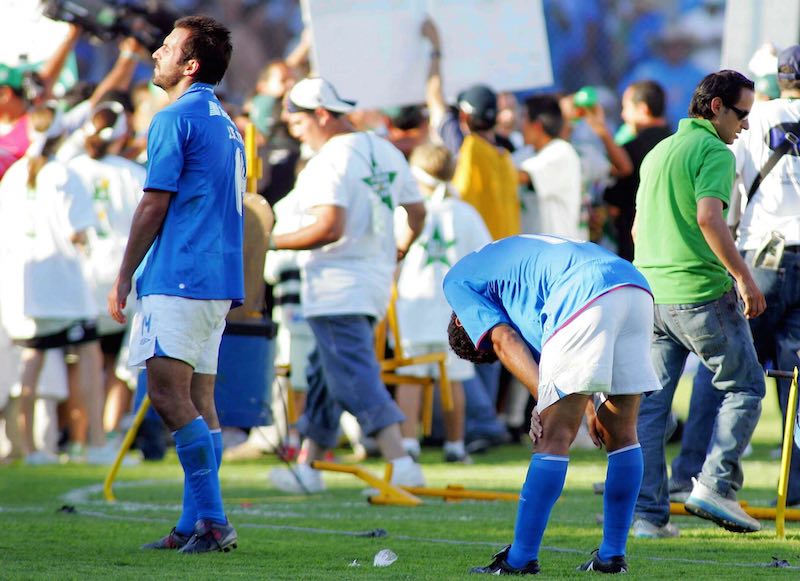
209, 42
463, 346
651, 94
546, 110
725, 84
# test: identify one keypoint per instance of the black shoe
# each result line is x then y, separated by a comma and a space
174, 540
499, 566
209, 536
613, 565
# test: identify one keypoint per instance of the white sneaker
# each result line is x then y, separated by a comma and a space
106, 454
727, 513
41, 458
644, 529
410, 476
301, 479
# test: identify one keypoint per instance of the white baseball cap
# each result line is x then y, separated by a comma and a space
310, 94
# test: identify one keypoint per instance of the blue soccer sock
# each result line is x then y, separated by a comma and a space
543, 486
188, 516
195, 449
623, 479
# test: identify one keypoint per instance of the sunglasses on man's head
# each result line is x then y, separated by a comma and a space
741, 114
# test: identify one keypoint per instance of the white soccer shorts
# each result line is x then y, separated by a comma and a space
189, 330
604, 349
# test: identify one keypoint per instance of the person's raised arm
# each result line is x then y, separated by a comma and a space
621, 164
716, 232
120, 76
51, 69
434, 92
299, 55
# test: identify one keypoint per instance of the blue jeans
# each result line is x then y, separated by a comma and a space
698, 429
776, 334
718, 333
343, 373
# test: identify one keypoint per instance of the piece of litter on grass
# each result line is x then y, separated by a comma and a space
67, 508
374, 534
384, 558
779, 563
355, 563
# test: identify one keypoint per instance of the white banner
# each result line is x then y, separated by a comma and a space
373, 52
26, 32
751, 23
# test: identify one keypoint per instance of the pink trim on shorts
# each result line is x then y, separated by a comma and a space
587, 305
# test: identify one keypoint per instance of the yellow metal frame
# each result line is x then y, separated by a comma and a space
389, 494
390, 365
780, 514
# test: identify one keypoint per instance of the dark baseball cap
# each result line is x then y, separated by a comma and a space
479, 102
789, 63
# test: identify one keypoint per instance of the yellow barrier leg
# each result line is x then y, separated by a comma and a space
108, 493
388, 494
786, 459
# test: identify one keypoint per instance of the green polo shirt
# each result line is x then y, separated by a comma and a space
670, 249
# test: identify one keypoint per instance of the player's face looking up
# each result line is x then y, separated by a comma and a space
169, 63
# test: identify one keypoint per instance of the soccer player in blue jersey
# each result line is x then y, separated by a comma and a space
572, 322
190, 218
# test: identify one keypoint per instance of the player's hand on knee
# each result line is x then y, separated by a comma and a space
535, 432
592, 424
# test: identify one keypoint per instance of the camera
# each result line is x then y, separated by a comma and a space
145, 20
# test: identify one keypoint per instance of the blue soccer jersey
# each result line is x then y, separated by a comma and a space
533, 283
195, 151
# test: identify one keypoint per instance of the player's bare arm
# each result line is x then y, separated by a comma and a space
147, 222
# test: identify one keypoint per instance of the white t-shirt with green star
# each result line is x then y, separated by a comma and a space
453, 229
45, 276
368, 177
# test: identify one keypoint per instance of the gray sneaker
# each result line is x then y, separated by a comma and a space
727, 513
644, 529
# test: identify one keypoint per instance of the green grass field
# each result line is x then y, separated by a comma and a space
288, 537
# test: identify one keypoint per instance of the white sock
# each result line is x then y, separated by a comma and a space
456, 447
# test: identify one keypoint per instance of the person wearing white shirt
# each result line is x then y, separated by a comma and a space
349, 190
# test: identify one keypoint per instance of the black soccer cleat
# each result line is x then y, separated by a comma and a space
174, 540
499, 566
613, 565
210, 536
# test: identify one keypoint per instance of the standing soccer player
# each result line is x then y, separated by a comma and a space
191, 220
586, 315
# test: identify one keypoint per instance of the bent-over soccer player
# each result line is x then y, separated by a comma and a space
586, 316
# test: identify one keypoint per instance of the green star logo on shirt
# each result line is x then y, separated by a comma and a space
436, 248
380, 182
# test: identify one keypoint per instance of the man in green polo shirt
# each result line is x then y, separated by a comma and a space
685, 250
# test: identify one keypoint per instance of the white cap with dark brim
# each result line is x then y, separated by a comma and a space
311, 94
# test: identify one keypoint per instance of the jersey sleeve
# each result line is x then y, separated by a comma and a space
165, 142
322, 183
472, 303
715, 176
